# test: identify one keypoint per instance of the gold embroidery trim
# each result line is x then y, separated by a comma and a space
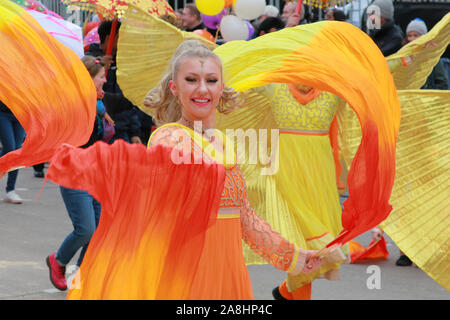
294, 261
229, 213
228, 216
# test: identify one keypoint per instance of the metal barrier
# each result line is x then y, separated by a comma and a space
179, 4
75, 16
78, 17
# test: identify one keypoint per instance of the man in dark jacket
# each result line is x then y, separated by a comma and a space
384, 32
270, 24
191, 18
121, 110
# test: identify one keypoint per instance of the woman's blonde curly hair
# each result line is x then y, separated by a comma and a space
164, 106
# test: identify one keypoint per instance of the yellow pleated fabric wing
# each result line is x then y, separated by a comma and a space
424, 53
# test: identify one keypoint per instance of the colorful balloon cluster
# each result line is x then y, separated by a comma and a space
216, 14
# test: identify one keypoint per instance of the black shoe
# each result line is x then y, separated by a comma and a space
277, 295
39, 174
403, 261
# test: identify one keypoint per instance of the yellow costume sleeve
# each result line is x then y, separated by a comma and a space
424, 54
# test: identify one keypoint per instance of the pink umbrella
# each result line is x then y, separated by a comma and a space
65, 32
91, 37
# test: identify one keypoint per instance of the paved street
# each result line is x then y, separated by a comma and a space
34, 229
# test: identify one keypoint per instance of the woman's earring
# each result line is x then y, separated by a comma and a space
220, 107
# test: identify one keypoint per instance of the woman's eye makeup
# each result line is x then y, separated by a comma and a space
210, 80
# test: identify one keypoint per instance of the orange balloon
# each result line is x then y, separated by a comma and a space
205, 34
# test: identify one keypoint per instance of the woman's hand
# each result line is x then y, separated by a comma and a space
308, 261
377, 234
430, 44
109, 119
312, 262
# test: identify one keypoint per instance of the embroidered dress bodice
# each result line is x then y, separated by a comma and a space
315, 115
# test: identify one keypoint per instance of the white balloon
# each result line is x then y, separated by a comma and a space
233, 28
249, 9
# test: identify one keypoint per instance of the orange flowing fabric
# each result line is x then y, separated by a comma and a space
341, 59
154, 218
46, 87
377, 249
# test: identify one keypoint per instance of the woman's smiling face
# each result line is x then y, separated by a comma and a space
198, 84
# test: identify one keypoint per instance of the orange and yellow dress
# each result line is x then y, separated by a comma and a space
167, 230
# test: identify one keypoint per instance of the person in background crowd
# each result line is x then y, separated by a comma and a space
191, 18
269, 11
126, 121
83, 209
384, 32
290, 17
335, 14
270, 24
446, 63
12, 135
438, 78
39, 170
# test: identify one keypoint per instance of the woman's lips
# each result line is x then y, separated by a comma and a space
201, 102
